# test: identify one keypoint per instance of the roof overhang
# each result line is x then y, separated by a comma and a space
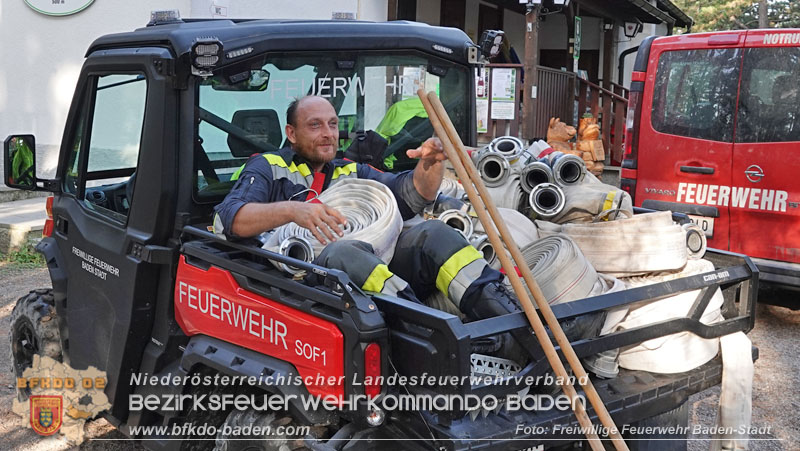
624, 10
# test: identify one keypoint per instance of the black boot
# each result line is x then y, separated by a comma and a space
493, 299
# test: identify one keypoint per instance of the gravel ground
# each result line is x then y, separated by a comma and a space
776, 397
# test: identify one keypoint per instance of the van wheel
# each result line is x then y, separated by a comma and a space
34, 330
229, 440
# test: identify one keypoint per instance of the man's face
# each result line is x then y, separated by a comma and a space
316, 135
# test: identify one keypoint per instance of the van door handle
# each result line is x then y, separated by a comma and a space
697, 169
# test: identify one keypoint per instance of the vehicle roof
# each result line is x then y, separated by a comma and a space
293, 35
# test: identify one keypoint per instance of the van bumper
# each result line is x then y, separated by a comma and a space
777, 272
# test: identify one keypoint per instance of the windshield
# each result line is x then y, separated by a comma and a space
242, 110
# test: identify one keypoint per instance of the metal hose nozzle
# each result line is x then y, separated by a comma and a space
535, 174
493, 168
507, 146
298, 248
458, 220
480, 241
547, 200
568, 169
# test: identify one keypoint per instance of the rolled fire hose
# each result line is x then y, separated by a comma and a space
509, 147
605, 364
547, 200
534, 174
372, 216
560, 268
641, 244
677, 352
507, 194
592, 200
522, 230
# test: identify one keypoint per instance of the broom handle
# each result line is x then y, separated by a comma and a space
544, 307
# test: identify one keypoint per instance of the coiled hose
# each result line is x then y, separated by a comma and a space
560, 268
372, 216
637, 245
678, 352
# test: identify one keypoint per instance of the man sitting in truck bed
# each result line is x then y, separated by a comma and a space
272, 187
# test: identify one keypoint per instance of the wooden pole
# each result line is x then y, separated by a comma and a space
531, 81
482, 202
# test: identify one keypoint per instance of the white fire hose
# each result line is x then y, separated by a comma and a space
560, 268
637, 245
678, 352
591, 200
372, 216
522, 230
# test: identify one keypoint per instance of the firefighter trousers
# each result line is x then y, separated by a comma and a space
429, 256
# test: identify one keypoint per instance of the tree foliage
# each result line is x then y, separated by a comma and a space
716, 15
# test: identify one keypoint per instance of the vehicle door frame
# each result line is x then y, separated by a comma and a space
108, 321
749, 226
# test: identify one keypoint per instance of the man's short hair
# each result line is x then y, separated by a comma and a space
291, 112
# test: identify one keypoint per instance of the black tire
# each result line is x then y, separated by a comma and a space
271, 442
34, 330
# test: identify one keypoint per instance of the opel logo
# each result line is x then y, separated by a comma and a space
754, 173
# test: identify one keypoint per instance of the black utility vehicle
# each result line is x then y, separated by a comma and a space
161, 119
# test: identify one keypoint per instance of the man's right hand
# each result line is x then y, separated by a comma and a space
323, 221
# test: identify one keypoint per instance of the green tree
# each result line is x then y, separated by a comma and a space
717, 15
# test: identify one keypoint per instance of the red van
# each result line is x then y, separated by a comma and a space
713, 131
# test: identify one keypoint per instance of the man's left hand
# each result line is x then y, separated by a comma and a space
430, 152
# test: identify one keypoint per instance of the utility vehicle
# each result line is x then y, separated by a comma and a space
161, 119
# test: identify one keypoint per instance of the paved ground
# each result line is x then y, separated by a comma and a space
27, 212
776, 398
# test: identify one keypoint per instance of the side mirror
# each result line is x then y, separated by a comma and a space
19, 162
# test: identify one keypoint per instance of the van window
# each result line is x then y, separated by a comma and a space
769, 108
695, 93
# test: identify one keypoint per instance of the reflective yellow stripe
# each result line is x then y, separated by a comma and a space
453, 265
609, 202
344, 170
236, 174
277, 160
303, 169
377, 279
